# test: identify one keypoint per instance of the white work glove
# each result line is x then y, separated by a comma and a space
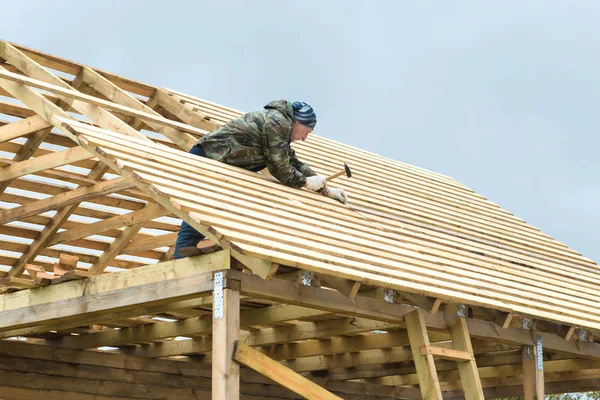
336, 194
314, 183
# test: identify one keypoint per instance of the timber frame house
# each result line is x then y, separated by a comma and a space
418, 288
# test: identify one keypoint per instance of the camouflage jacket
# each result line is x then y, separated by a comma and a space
257, 140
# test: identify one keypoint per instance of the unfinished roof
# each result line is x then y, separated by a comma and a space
96, 166
404, 228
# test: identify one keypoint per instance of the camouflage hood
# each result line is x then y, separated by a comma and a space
283, 106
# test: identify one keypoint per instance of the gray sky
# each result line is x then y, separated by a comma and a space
502, 96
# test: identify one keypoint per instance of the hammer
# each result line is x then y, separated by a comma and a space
346, 171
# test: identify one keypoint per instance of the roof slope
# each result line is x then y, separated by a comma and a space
405, 228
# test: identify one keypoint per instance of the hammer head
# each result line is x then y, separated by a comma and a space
347, 169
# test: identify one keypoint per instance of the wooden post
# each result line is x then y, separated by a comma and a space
424, 364
533, 375
469, 375
226, 327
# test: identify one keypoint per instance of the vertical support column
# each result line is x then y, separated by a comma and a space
533, 367
424, 364
469, 375
226, 327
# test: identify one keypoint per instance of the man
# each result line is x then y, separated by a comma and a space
257, 140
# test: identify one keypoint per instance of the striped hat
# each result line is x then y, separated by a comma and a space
304, 114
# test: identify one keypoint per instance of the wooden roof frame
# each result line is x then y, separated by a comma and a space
336, 327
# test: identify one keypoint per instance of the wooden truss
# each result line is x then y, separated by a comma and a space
420, 288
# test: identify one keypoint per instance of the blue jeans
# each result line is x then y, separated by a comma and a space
188, 236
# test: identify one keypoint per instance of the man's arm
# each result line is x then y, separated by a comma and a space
299, 165
278, 153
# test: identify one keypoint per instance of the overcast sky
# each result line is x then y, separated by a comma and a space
502, 96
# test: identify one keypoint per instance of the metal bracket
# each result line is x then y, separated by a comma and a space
218, 295
528, 352
526, 323
461, 310
388, 295
583, 335
306, 278
540, 353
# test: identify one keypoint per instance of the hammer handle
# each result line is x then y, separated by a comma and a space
342, 172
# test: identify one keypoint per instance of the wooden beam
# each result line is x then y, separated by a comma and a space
226, 327
447, 354
425, 302
292, 293
469, 374
98, 365
263, 268
314, 297
116, 247
150, 243
185, 114
348, 359
24, 127
51, 228
64, 199
126, 298
118, 95
140, 334
345, 286
280, 374
268, 336
31, 68
425, 365
94, 320
151, 211
86, 103
47, 109
27, 150
63, 301
44, 162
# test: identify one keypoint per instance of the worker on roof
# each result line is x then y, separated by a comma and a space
258, 140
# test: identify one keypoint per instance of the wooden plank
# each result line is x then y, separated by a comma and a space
47, 109
18, 302
106, 302
447, 354
417, 334
118, 95
65, 199
226, 327
30, 146
280, 374
24, 127
37, 164
190, 117
116, 247
149, 212
86, 102
149, 243
92, 320
31, 68
268, 336
469, 374
263, 268
345, 286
